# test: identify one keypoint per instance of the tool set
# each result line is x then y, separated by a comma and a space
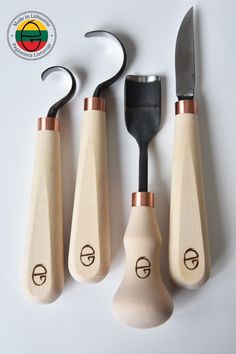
142, 299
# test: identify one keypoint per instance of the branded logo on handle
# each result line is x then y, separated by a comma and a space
143, 268
39, 274
87, 255
191, 259
31, 35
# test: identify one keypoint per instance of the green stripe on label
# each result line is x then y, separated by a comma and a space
28, 35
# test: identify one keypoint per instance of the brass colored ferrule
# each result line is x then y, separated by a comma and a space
49, 123
143, 199
94, 103
185, 106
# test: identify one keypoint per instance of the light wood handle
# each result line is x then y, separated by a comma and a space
142, 299
44, 271
188, 244
89, 253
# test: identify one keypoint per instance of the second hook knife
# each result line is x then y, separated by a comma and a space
89, 252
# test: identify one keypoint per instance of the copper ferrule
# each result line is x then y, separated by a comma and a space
185, 106
49, 123
143, 199
94, 104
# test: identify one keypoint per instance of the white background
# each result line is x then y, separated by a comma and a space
81, 321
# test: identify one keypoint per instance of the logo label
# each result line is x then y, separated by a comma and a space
87, 255
191, 259
39, 275
143, 268
31, 35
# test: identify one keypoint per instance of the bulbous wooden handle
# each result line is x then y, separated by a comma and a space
142, 299
44, 269
89, 253
189, 256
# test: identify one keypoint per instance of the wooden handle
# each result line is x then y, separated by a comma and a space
44, 273
142, 299
89, 253
188, 245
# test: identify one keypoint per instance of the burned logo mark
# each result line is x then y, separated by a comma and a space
143, 267
87, 255
191, 259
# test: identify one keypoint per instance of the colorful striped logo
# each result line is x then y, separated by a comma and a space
31, 35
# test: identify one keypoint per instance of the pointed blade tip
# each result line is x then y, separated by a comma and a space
184, 57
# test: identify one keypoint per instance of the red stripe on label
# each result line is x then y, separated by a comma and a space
29, 46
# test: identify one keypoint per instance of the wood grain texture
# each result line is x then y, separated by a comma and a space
189, 256
89, 253
142, 300
44, 267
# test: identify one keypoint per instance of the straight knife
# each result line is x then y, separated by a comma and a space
189, 257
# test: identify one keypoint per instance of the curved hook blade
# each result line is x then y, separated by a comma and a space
109, 82
59, 104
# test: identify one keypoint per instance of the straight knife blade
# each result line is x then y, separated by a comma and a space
184, 58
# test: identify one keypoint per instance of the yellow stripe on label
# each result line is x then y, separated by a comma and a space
32, 25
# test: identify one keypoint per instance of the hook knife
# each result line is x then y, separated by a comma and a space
44, 264
89, 253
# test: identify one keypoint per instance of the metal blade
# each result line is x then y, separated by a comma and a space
184, 59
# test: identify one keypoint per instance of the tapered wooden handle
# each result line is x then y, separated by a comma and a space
44, 270
142, 299
89, 253
188, 244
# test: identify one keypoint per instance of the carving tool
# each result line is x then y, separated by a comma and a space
44, 270
89, 253
142, 299
189, 257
